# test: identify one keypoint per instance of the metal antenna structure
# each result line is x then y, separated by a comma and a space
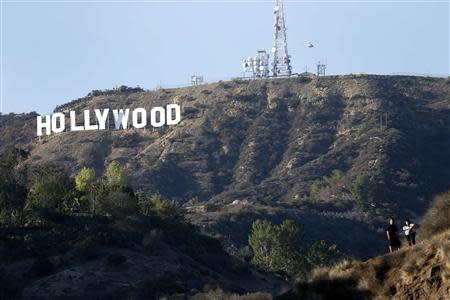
281, 59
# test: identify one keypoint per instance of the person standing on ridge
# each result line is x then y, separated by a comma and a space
410, 234
392, 235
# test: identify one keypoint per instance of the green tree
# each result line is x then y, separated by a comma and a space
337, 178
315, 189
322, 254
115, 176
277, 247
86, 183
85, 179
48, 194
13, 189
363, 189
12, 185
328, 188
281, 248
156, 205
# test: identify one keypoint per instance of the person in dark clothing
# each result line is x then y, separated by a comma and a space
392, 235
410, 233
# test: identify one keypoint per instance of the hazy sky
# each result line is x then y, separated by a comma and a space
53, 52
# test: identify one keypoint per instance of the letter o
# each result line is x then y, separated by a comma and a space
58, 118
162, 116
143, 113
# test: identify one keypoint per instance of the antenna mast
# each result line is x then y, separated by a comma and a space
281, 59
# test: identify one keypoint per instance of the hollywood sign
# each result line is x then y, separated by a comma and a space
159, 116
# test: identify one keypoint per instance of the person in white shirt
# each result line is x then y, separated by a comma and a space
410, 233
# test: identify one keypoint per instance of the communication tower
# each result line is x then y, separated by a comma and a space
281, 59
321, 69
257, 66
196, 80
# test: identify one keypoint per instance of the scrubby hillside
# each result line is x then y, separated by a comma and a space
268, 148
414, 272
421, 272
92, 238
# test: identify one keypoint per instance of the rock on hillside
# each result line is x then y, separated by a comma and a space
262, 143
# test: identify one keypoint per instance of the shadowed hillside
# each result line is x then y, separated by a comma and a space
268, 148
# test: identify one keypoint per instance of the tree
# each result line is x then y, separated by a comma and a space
331, 187
316, 188
280, 248
115, 176
85, 179
12, 185
322, 254
363, 189
277, 247
48, 194
156, 205
85, 182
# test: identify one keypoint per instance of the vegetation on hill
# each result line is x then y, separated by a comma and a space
58, 233
437, 217
414, 272
94, 206
274, 144
281, 248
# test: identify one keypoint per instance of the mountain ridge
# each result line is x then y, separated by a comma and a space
261, 144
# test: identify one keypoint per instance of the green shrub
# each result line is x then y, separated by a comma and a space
330, 188
280, 248
163, 208
115, 176
363, 189
277, 248
117, 204
322, 254
12, 186
47, 195
85, 179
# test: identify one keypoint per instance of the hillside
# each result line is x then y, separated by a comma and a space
421, 272
253, 149
104, 258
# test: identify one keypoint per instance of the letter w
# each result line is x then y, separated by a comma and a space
121, 118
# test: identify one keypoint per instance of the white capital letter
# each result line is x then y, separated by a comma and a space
102, 117
61, 119
162, 116
73, 122
121, 117
173, 114
87, 122
45, 125
143, 122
